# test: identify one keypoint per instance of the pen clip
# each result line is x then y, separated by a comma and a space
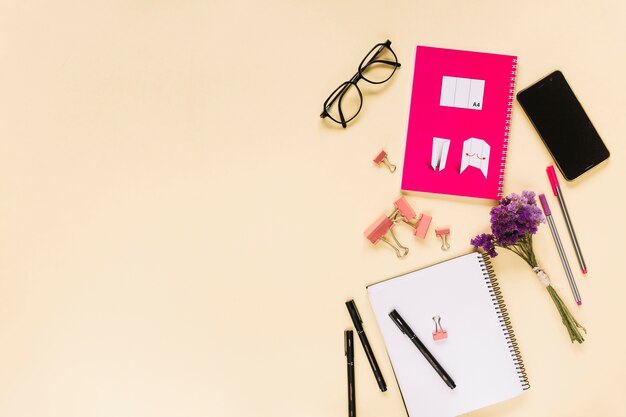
357, 311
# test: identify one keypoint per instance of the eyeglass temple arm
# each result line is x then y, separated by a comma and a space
382, 61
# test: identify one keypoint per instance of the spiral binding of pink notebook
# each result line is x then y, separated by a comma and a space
459, 122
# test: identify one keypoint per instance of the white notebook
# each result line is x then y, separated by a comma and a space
480, 353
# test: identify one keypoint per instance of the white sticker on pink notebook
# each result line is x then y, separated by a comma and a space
439, 157
476, 154
464, 93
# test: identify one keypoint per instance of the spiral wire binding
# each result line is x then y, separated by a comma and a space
503, 317
507, 125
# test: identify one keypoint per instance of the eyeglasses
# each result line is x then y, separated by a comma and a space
346, 101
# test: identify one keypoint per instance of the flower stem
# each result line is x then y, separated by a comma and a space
568, 319
524, 249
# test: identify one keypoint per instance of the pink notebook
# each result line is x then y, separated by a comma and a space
459, 122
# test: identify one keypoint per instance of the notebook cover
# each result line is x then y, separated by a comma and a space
480, 353
443, 106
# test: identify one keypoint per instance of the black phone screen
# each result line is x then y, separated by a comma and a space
563, 125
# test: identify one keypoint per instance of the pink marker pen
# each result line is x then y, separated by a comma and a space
556, 188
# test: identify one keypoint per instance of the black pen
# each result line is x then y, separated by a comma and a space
358, 325
404, 327
349, 349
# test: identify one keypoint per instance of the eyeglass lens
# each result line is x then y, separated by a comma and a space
345, 101
379, 65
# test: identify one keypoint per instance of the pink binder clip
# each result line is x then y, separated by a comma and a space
404, 212
439, 333
379, 229
443, 233
422, 224
381, 158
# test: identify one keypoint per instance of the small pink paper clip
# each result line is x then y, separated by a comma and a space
439, 333
377, 232
405, 213
381, 158
443, 233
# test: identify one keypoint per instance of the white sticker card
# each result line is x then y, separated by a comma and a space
464, 93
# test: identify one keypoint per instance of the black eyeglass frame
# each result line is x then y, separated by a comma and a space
340, 91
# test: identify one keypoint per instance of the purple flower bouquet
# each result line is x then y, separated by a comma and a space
514, 221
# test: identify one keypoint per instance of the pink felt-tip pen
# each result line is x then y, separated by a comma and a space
554, 182
559, 246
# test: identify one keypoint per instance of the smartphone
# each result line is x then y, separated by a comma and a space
563, 125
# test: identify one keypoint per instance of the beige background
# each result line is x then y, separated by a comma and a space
179, 230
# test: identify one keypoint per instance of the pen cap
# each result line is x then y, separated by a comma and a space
398, 320
354, 315
348, 343
554, 181
544, 205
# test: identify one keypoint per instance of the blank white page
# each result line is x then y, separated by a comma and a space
476, 353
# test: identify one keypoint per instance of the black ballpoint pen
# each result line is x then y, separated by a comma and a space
349, 349
358, 325
404, 327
